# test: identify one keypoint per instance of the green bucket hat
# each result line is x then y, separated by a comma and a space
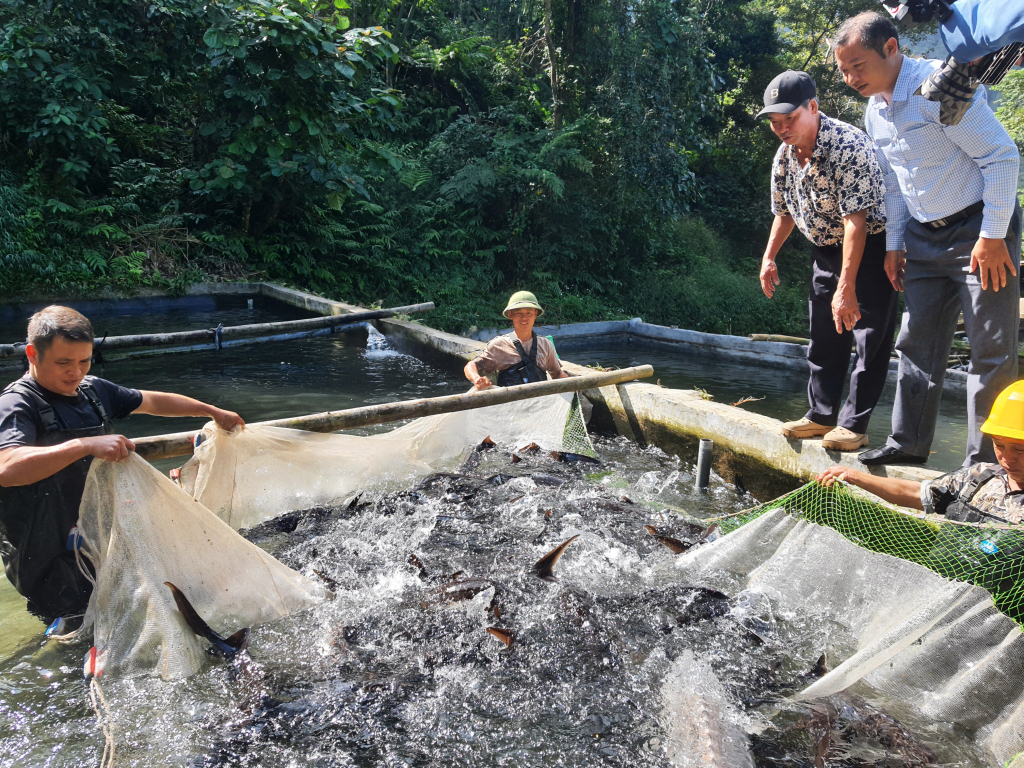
523, 300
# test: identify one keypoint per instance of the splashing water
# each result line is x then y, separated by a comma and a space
377, 345
400, 669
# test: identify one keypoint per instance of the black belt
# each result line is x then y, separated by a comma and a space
953, 218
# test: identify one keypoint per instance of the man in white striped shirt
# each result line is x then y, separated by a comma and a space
952, 237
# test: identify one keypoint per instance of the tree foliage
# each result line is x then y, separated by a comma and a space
602, 153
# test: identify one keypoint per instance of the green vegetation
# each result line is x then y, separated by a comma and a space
601, 154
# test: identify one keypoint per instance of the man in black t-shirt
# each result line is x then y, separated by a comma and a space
53, 422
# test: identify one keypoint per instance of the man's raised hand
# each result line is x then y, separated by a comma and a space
227, 420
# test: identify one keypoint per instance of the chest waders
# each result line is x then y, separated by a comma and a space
961, 508
36, 519
989, 557
524, 372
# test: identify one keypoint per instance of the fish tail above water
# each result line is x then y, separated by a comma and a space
701, 726
820, 668
545, 567
502, 634
221, 646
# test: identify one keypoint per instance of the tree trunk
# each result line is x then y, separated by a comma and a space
556, 86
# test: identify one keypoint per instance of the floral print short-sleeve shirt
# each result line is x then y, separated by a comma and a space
842, 177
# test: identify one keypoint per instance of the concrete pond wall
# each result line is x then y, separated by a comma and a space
773, 354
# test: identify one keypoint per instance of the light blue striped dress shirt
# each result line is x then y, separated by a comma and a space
934, 170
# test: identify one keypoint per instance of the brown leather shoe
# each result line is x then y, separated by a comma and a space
843, 439
801, 429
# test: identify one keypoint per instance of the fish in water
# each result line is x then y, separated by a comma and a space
502, 634
573, 458
474, 458
820, 668
703, 604
702, 727
677, 546
844, 725
226, 647
459, 590
550, 480
416, 563
545, 567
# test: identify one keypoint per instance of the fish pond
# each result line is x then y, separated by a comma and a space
443, 645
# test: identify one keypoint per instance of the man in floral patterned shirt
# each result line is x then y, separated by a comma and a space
826, 180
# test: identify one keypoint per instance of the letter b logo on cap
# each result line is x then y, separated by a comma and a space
775, 93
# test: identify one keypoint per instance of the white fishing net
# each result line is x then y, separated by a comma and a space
938, 645
141, 530
255, 474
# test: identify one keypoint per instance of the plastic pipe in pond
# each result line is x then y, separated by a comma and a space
704, 463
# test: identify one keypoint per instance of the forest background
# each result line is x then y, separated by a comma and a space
601, 153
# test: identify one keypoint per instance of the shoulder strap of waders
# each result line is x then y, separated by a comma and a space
43, 408
86, 389
962, 507
530, 359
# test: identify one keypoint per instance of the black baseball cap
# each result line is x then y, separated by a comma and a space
787, 92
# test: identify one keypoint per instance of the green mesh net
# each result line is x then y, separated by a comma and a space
990, 556
575, 438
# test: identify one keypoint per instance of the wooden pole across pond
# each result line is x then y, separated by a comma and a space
210, 335
180, 444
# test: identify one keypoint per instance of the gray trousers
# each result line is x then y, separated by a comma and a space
937, 287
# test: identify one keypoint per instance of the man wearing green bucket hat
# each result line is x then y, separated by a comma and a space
520, 357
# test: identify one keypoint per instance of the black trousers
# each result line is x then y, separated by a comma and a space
828, 354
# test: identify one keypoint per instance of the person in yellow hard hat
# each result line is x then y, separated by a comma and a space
520, 357
993, 492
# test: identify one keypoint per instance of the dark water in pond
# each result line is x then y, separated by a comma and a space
277, 379
783, 392
164, 316
398, 671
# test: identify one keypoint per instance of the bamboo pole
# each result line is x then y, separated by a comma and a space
236, 331
776, 337
180, 444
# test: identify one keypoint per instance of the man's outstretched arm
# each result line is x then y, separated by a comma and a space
905, 493
27, 464
170, 404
